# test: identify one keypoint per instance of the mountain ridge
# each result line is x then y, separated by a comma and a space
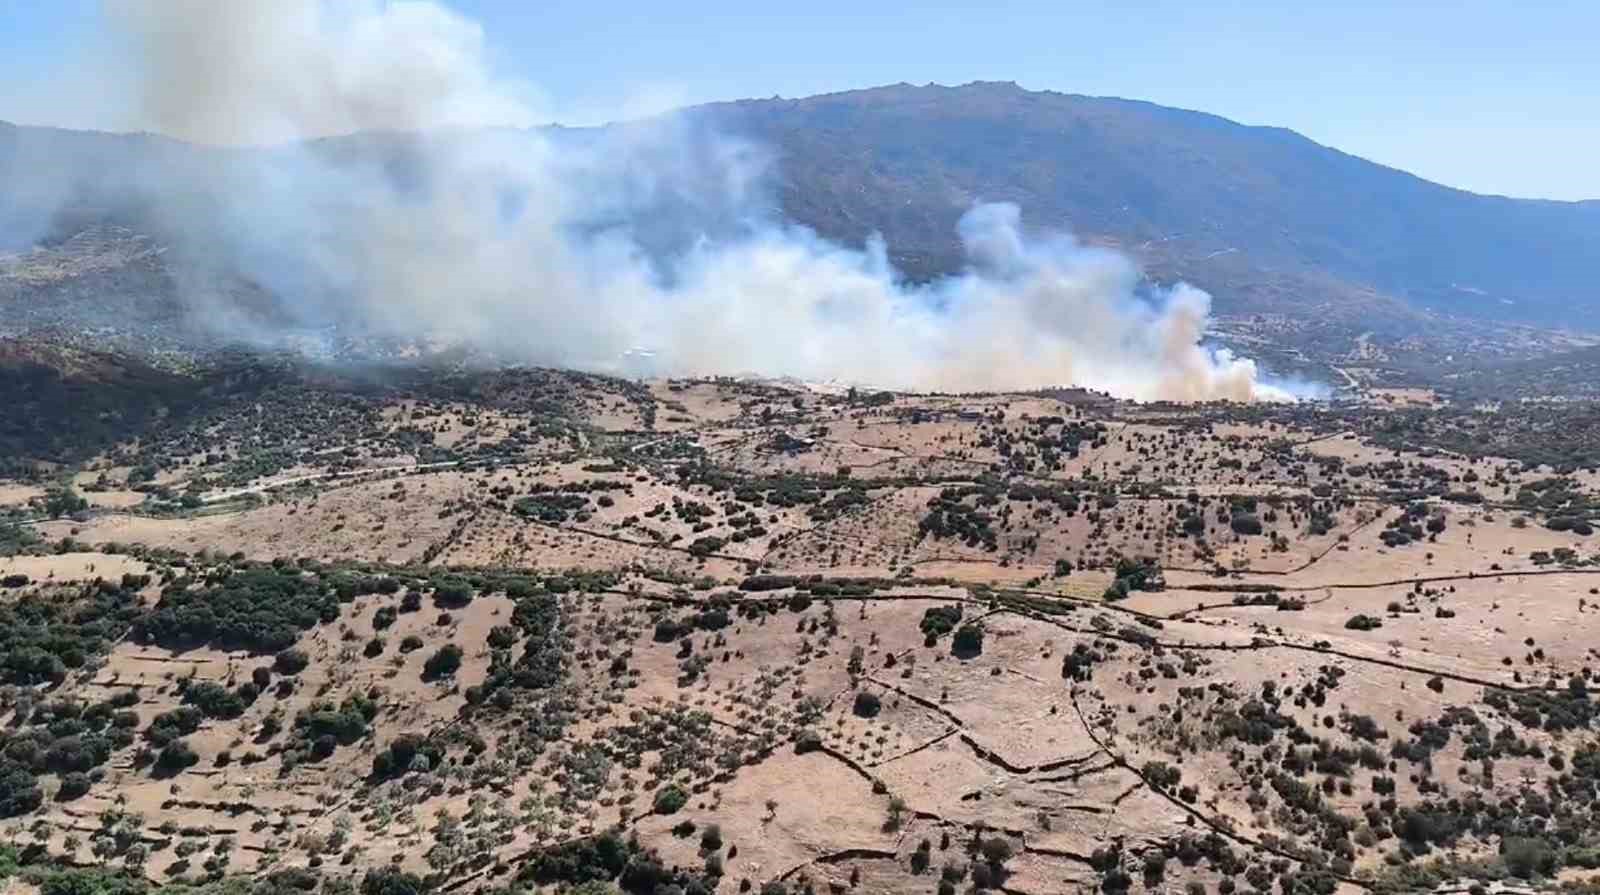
1116, 154
1265, 219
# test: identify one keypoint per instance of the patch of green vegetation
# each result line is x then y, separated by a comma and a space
261, 608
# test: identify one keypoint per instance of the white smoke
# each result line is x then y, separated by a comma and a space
461, 222
272, 71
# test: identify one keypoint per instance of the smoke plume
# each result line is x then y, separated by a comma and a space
446, 216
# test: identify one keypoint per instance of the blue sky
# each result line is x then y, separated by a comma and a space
1486, 95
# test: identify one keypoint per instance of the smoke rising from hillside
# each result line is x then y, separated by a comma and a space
447, 216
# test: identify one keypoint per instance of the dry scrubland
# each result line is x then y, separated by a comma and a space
573, 634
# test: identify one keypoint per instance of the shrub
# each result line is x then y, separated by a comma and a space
169, 726
391, 881
73, 785
215, 700
176, 756
996, 850
1363, 623
670, 629
259, 608
323, 726
1161, 775
968, 639
1528, 856
867, 704
670, 799
452, 592
940, 620
19, 789
401, 756
290, 661
1574, 524
444, 662
1245, 524
384, 617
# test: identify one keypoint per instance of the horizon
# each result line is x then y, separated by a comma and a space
1483, 99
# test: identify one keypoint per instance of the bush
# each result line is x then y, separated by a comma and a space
670, 629
1161, 775
258, 608
1363, 623
73, 785
1528, 856
1574, 524
390, 881
401, 756
452, 592
443, 663
940, 620
670, 799
867, 704
1141, 573
968, 640
345, 722
19, 790
215, 700
176, 756
290, 661
996, 850
169, 726
85, 881
384, 617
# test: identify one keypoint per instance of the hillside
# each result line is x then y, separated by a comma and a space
1296, 220
534, 633
1321, 258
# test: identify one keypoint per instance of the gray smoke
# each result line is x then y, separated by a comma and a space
447, 217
